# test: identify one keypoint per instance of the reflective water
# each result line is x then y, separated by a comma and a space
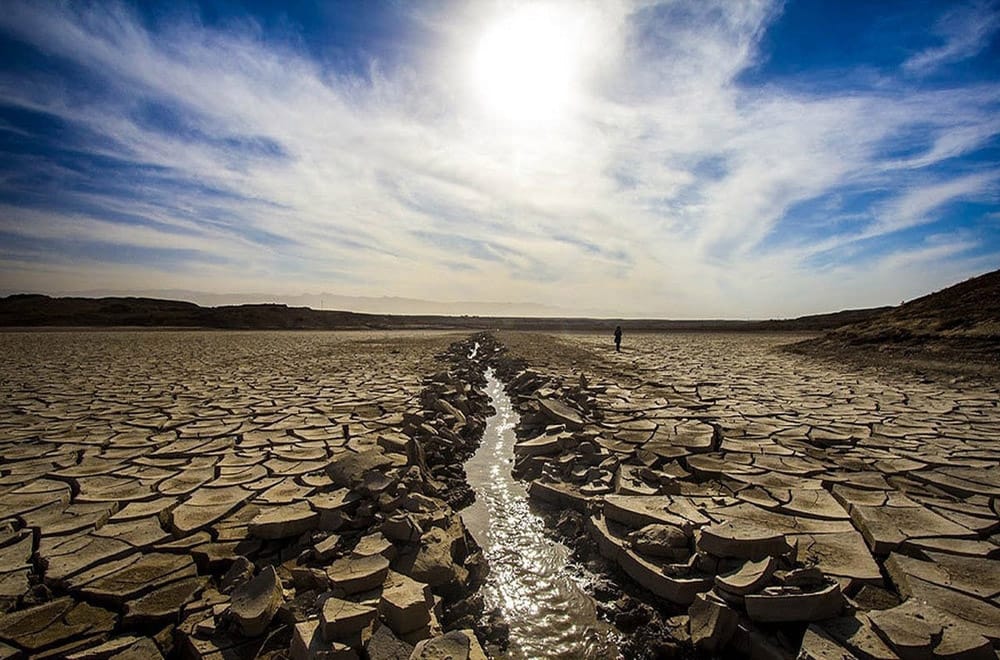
531, 578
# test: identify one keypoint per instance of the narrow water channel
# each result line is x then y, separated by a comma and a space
532, 580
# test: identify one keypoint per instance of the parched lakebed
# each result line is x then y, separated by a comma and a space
293, 494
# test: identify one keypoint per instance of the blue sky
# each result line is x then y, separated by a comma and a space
676, 159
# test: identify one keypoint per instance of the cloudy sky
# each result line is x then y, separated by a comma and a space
675, 159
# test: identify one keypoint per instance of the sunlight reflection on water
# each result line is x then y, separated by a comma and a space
531, 578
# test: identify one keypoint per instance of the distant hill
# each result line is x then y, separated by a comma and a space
379, 305
32, 310
959, 323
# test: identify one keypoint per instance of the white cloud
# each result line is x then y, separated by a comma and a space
966, 31
916, 206
658, 194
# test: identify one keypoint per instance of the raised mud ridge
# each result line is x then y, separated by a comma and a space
716, 545
311, 554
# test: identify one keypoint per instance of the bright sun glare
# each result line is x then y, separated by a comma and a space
526, 64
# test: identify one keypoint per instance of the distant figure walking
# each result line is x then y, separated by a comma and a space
618, 339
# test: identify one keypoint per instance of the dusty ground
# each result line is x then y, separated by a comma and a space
885, 480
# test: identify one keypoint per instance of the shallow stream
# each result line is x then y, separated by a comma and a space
532, 580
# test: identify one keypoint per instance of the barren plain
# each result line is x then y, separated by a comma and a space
282, 494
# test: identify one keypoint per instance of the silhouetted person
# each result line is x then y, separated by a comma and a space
618, 339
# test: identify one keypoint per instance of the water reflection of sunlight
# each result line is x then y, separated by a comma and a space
531, 580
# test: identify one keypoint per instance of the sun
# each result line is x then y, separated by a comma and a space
526, 64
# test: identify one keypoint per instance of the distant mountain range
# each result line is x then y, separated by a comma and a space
34, 310
331, 301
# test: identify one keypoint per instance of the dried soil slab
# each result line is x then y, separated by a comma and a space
981, 616
742, 540
750, 578
53, 623
308, 644
204, 507
17, 555
149, 572
455, 645
255, 602
976, 577
165, 602
284, 521
917, 629
962, 547
712, 623
186, 481
779, 607
667, 541
841, 554
693, 435
543, 445
808, 502
432, 563
637, 511
126, 647
406, 605
817, 644
36, 495
342, 619
886, 527
857, 634
348, 469
352, 575
141, 533
676, 583
65, 557
559, 413
285, 492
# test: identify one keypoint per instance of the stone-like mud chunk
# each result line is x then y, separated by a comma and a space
284, 521
786, 604
352, 575
432, 563
342, 619
560, 413
255, 602
742, 540
667, 541
406, 604
308, 644
206, 506
712, 622
456, 645
348, 469
147, 573
750, 578
55, 622
165, 602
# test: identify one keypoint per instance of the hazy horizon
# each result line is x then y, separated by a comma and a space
683, 160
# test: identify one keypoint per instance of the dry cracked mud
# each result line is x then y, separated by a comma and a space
269, 494
231, 495
773, 505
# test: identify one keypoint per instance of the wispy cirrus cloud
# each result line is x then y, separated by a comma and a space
668, 187
965, 29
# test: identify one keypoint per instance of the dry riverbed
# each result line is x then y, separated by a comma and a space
269, 494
